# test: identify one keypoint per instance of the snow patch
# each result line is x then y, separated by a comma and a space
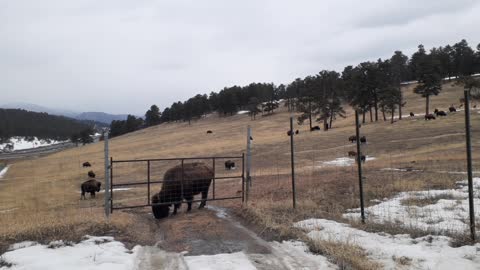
344, 161
397, 251
93, 253
21, 143
219, 212
3, 171
232, 261
242, 112
432, 210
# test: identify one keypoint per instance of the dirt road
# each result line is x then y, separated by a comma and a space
213, 237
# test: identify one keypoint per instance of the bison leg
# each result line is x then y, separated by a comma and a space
92, 194
176, 206
189, 202
83, 196
204, 198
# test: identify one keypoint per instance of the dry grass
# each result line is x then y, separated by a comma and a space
39, 199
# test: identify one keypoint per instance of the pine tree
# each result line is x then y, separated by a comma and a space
430, 81
152, 116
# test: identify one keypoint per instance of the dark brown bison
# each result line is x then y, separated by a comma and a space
91, 186
86, 164
229, 165
314, 128
452, 109
430, 117
440, 113
352, 138
363, 139
91, 174
209, 132
412, 114
363, 158
196, 179
289, 133
352, 153
296, 131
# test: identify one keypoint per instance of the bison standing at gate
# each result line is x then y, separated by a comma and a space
229, 165
91, 186
196, 179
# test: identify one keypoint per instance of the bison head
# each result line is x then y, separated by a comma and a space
98, 186
159, 211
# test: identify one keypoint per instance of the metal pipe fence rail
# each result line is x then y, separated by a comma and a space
148, 181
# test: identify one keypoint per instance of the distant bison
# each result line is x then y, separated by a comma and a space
289, 133
91, 174
352, 153
412, 114
314, 128
363, 158
352, 138
452, 109
91, 186
196, 179
209, 132
440, 113
296, 131
363, 139
229, 165
87, 164
430, 117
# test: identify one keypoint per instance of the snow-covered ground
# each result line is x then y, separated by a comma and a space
433, 210
3, 171
21, 143
343, 161
397, 251
242, 112
104, 253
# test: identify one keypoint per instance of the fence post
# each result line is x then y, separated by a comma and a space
292, 159
359, 164
249, 157
107, 175
148, 182
469, 163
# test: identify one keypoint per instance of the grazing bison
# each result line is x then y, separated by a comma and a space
363, 139
314, 128
352, 153
430, 117
289, 133
296, 131
251, 138
91, 186
91, 174
440, 113
86, 164
363, 158
209, 132
196, 179
229, 165
352, 138
412, 114
452, 109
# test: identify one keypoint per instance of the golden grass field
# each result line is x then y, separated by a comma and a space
40, 198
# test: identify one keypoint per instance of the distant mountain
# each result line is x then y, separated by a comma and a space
98, 117
101, 117
37, 108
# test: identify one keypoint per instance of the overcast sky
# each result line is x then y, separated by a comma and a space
121, 56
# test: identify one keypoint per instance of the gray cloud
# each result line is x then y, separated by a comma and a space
121, 56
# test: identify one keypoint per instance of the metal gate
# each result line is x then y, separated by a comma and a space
152, 173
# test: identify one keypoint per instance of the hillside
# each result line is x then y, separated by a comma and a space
409, 155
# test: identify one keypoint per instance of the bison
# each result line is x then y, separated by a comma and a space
452, 109
289, 133
91, 174
429, 117
363, 139
314, 128
363, 158
296, 131
412, 114
182, 183
352, 153
229, 165
352, 138
209, 132
91, 186
86, 164
440, 113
